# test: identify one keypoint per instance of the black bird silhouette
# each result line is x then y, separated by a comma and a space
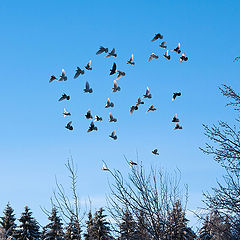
155, 152
89, 115
113, 70
166, 55
64, 96
88, 67
151, 108
69, 126
52, 78
109, 104
78, 72
177, 49
97, 118
175, 119
101, 50
176, 94
139, 101
112, 53
92, 127
115, 87
113, 135
162, 45
132, 163
177, 127
157, 36
130, 61
120, 74
153, 55
63, 76
183, 58
147, 94
236, 59
133, 108
87, 88
111, 118
65, 113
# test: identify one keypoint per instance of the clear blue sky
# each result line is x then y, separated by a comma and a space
39, 38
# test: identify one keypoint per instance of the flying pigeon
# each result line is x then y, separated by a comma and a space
69, 126
120, 74
183, 58
177, 49
176, 94
97, 118
65, 113
133, 108
112, 53
177, 127
64, 96
113, 135
109, 104
155, 152
147, 94
151, 108
78, 72
139, 101
87, 88
115, 87
104, 167
130, 61
157, 36
63, 77
236, 59
92, 127
89, 115
101, 50
88, 67
113, 70
132, 163
175, 119
166, 55
162, 45
52, 78
111, 118
153, 55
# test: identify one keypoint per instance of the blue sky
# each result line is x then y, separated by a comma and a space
39, 38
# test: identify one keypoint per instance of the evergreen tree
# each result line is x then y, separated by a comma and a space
89, 234
28, 228
142, 227
205, 230
101, 228
8, 221
53, 230
73, 230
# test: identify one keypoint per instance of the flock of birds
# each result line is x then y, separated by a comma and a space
117, 88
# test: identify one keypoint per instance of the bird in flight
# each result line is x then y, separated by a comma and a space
166, 55
153, 55
176, 94
89, 115
88, 67
65, 113
63, 76
87, 88
115, 87
113, 135
177, 126
104, 167
92, 127
151, 108
157, 36
183, 58
130, 61
112, 53
139, 101
101, 50
132, 163
64, 96
79, 71
155, 152
109, 104
175, 119
147, 94
236, 59
162, 45
52, 78
111, 118
69, 126
120, 74
97, 118
133, 108
177, 49
113, 70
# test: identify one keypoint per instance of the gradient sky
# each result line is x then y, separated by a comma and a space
39, 38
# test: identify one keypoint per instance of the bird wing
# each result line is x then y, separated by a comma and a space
164, 42
108, 101
89, 63
115, 84
178, 46
114, 132
113, 51
87, 85
183, 55
114, 67
147, 91
101, 50
131, 58
150, 58
166, 53
63, 72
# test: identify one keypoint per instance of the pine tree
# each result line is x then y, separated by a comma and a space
8, 221
28, 228
53, 230
101, 228
142, 226
73, 230
205, 230
89, 234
